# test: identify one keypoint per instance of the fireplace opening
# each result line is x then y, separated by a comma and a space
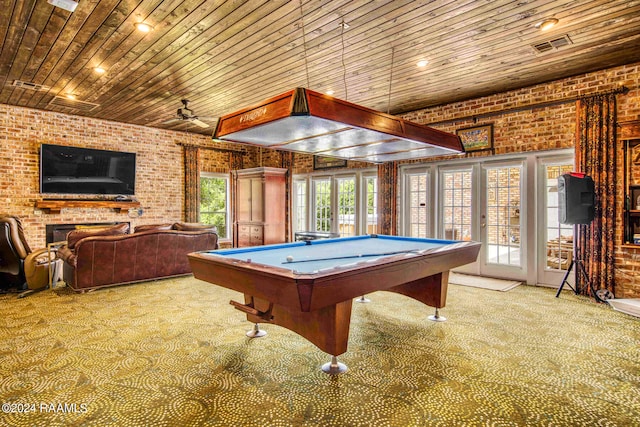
58, 232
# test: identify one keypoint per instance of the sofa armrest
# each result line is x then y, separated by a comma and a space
67, 255
36, 269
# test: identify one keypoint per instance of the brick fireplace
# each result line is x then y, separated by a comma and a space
58, 232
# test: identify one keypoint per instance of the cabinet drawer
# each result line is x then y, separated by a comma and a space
244, 235
244, 241
257, 235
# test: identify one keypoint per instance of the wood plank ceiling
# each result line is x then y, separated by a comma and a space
226, 55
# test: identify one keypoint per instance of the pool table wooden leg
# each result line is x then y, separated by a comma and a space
430, 290
327, 327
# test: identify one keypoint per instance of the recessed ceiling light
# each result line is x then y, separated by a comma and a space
422, 63
99, 70
145, 28
70, 96
330, 92
546, 24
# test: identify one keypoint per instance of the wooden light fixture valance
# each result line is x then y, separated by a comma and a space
302, 120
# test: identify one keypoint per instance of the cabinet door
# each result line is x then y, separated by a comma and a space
244, 199
257, 202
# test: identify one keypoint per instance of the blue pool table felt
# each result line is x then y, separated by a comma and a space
318, 255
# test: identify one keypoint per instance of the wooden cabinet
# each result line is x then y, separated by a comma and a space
630, 133
260, 206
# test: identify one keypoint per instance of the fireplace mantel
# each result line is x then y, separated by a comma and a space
54, 206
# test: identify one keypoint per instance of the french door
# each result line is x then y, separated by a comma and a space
341, 203
458, 207
417, 203
483, 202
334, 205
509, 204
503, 220
555, 250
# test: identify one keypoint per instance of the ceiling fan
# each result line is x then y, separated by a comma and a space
186, 115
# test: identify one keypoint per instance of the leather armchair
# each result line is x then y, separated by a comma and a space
20, 268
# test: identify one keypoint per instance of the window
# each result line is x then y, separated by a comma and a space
346, 206
322, 205
371, 204
418, 207
214, 202
456, 204
503, 185
559, 237
300, 205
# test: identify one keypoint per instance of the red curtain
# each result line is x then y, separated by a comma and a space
286, 162
596, 157
236, 162
191, 183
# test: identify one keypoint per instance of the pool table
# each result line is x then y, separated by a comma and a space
308, 287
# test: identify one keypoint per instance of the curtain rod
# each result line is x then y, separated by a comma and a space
222, 150
621, 90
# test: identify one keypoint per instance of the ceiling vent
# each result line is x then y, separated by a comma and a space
30, 86
63, 101
552, 45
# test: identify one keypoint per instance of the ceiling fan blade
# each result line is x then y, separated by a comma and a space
200, 123
171, 121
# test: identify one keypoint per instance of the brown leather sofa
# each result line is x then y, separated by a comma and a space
94, 258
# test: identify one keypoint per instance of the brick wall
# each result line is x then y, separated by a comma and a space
159, 185
517, 128
159, 167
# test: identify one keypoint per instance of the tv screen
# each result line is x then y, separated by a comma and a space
75, 170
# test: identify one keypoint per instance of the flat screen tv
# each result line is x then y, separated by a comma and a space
76, 170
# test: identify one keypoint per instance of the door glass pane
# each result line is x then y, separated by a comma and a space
371, 186
503, 215
559, 237
456, 204
346, 206
300, 205
418, 210
322, 198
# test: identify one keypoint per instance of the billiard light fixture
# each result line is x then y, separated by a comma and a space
546, 24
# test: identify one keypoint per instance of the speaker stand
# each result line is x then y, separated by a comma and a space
575, 261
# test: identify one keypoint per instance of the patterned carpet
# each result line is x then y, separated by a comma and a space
174, 353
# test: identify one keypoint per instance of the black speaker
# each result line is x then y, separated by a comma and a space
576, 199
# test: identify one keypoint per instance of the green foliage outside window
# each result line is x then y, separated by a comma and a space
346, 205
213, 203
371, 197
